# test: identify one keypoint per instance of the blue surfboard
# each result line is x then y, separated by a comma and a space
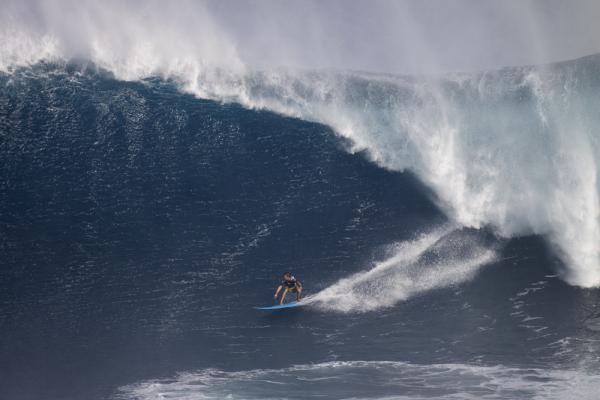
282, 306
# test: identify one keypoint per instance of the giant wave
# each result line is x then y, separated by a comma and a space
515, 149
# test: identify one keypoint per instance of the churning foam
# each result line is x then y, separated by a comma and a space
435, 260
516, 149
378, 380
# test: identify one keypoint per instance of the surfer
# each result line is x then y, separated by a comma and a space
289, 284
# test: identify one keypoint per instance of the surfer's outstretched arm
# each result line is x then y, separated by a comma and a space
277, 292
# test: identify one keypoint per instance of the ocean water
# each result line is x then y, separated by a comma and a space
445, 231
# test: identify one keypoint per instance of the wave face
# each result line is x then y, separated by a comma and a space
515, 149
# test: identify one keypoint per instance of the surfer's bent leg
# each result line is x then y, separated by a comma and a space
283, 295
298, 292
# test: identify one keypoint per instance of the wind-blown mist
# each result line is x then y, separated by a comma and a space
408, 36
514, 148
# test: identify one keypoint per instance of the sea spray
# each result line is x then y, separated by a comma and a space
435, 260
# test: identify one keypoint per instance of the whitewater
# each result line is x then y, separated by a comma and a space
440, 381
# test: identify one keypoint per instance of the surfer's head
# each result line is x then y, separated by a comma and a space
287, 276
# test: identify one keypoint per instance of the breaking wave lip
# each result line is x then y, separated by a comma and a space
445, 257
515, 149
372, 380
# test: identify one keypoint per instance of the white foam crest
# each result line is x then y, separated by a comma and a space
19, 48
131, 40
373, 380
436, 260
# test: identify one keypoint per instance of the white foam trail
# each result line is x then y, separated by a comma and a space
436, 260
376, 380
